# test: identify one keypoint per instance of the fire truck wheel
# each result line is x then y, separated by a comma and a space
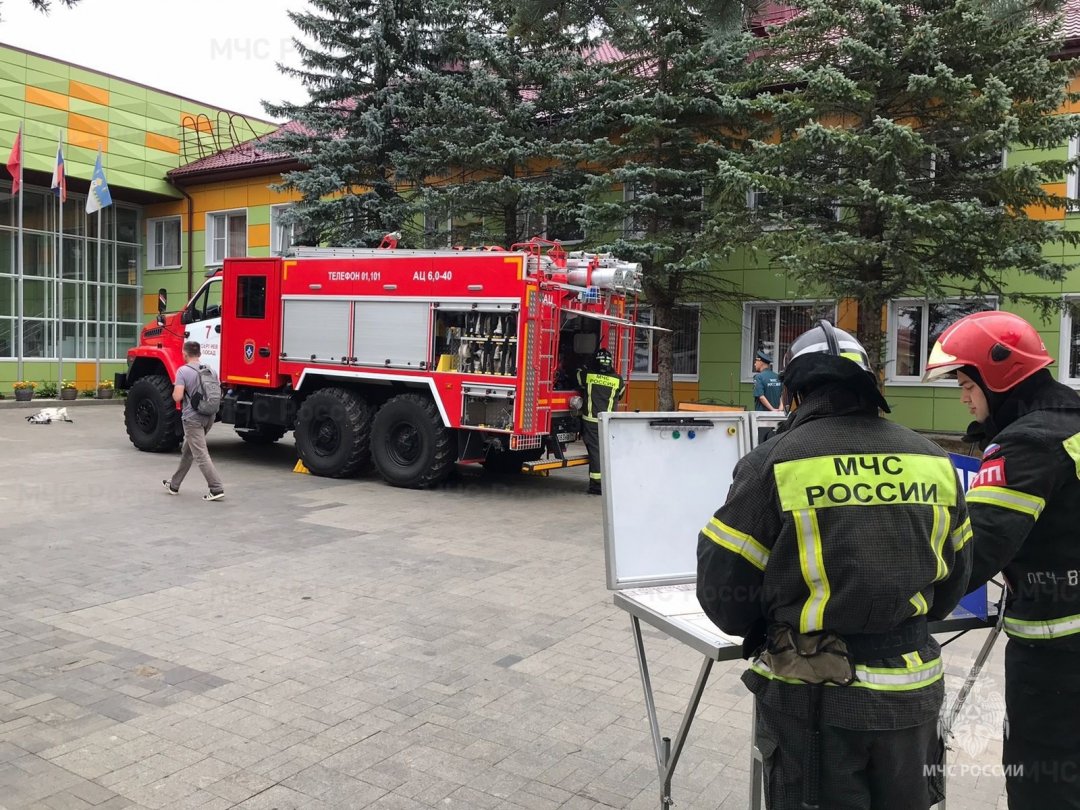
263, 434
508, 462
150, 415
410, 445
333, 432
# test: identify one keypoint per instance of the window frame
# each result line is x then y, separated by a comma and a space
891, 324
210, 232
746, 361
1072, 179
651, 335
151, 254
1065, 339
275, 228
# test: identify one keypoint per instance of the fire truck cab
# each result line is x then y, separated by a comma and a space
404, 360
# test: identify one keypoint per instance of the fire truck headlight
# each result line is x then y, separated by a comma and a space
576, 402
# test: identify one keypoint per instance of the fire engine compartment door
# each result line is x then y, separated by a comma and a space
249, 347
392, 334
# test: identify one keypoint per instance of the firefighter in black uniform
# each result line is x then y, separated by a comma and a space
1025, 513
841, 536
601, 388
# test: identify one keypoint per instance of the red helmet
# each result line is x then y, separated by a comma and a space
1004, 348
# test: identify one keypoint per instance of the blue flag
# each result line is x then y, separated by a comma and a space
99, 196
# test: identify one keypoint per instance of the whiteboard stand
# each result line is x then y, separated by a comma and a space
762, 423
655, 502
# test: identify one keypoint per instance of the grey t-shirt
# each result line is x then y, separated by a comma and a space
188, 376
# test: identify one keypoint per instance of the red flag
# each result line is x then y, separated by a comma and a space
14, 163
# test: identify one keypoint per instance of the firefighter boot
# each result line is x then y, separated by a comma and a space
594, 488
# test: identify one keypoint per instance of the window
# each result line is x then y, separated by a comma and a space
282, 234
1071, 190
226, 236
562, 227
766, 205
913, 328
773, 327
685, 334
251, 297
206, 304
163, 240
1069, 355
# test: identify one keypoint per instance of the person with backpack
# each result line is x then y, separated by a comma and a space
197, 392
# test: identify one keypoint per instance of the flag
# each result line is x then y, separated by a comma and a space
99, 196
14, 163
59, 179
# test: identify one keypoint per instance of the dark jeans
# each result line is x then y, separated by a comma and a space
1042, 729
860, 770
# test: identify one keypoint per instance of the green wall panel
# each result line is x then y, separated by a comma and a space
120, 87
88, 108
258, 215
12, 72
134, 106
127, 119
88, 77
12, 89
47, 68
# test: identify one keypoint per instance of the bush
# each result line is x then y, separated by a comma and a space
47, 390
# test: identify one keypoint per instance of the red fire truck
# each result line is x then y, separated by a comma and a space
405, 360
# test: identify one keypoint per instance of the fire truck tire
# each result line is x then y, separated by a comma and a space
508, 462
263, 434
150, 415
410, 445
333, 433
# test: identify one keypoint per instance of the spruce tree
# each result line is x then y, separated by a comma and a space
671, 107
357, 70
879, 163
484, 123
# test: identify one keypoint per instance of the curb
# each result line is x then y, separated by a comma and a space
10, 404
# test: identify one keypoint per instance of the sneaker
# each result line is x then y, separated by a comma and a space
213, 496
168, 485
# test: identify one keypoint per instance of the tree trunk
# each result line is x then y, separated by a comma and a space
872, 336
664, 316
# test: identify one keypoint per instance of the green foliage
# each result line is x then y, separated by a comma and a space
880, 150
47, 390
357, 71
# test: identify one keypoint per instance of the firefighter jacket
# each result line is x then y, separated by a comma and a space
846, 522
601, 391
1025, 512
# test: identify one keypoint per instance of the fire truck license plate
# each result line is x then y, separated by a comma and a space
567, 437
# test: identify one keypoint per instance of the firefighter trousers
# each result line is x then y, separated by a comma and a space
590, 434
860, 770
1041, 753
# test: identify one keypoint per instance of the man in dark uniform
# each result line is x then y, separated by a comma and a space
601, 388
767, 385
840, 537
1025, 513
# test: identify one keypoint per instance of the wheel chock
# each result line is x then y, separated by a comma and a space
300, 468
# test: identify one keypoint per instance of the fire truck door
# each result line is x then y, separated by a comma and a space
251, 302
203, 323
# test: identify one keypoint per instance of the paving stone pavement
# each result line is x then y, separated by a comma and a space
311, 643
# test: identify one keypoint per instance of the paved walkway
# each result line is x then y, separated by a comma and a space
310, 643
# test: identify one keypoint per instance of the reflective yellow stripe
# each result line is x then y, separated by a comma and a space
938, 534
1042, 629
869, 479
812, 563
739, 542
1072, 447
1008, 499
605, 381
917, 675
963, 533
919, 602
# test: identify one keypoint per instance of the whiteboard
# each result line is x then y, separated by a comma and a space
664, 475
764, 420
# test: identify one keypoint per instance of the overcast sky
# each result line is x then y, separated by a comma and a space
220, 52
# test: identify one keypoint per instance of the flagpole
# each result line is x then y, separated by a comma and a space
97, 320
60, 295
19, 259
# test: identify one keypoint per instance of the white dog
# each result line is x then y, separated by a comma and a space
48, 416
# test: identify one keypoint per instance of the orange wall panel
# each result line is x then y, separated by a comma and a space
91, 126
1043, 212
88, 141
46, 98
847, 315
258, 236
84, 376
87, 92
163, 143
236, 197
192, 121
643, 395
